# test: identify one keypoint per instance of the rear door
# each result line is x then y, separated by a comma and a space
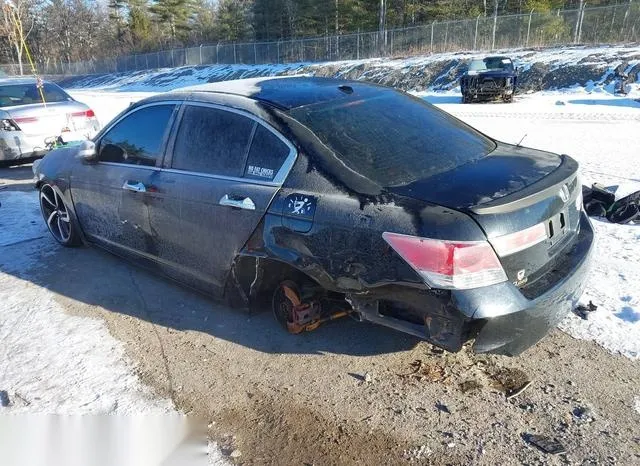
113, 197
225, 168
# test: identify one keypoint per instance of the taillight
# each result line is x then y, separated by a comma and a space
449, 264
88, 113
9, 125
520, 240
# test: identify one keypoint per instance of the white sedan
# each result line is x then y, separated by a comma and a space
35, 116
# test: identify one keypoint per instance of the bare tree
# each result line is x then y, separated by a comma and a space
17, 24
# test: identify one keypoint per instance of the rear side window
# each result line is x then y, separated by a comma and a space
266, 156
212, 141
393, 139
137, 138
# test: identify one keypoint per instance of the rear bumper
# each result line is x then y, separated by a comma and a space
500, 318
512, 333
15, 145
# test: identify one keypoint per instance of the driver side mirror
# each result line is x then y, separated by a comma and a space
87, 151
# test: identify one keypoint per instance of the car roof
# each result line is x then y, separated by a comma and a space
6, 81
283, 92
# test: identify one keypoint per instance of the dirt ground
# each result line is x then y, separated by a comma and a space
348, 393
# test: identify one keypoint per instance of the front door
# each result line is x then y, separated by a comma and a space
113, 196
225, 169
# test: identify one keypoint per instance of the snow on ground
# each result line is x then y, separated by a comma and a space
602, 58
56, 363
85, 369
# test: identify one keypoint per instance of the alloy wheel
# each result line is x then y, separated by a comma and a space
55, 214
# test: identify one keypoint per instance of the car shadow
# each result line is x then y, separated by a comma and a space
616, 102
94, 277
16, 178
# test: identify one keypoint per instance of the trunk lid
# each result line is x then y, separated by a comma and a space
38, 120
511, 190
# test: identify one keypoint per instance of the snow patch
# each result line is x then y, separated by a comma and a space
54, 362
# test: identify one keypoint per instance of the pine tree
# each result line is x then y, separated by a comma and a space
173, 16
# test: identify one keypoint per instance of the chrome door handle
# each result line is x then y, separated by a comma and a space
246, 203
134, 186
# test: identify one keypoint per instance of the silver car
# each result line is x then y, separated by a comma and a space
35, 115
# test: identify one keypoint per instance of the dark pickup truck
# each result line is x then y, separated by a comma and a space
489, 78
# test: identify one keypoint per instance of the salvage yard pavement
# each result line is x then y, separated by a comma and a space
82, 331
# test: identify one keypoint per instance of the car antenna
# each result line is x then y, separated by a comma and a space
518, 145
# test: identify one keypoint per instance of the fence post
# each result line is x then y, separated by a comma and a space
235, 59
278, 52
217, 47
432, 23
581, 14
135, 61
495, 25
475, 37
255, 54
358, 45
529, 28
173, 65
201, 54
578, 23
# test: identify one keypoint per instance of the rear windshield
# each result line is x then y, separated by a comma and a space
24, 94
393, 139
491, 63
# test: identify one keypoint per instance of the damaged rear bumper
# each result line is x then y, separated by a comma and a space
502, 318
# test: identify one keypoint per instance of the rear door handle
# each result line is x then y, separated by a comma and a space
134, 186
244, 203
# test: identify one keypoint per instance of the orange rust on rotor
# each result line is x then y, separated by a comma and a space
291, 295
297, 327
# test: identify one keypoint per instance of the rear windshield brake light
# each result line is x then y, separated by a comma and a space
520, 240
449, 264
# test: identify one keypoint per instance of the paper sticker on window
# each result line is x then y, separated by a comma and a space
260, 171
506, 60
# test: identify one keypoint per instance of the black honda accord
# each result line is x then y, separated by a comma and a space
328, 198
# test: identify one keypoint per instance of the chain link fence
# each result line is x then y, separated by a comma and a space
611, 24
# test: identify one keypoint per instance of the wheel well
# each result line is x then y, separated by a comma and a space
257, 277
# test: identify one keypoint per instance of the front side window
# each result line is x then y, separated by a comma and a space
137, 138
212, 141
267, 154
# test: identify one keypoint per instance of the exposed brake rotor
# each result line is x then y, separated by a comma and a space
297, 316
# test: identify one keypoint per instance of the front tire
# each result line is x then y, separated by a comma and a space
58, 218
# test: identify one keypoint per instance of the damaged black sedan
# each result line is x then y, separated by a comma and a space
329, 198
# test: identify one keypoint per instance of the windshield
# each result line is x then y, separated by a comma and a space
393, 139
12, 95
491, 63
